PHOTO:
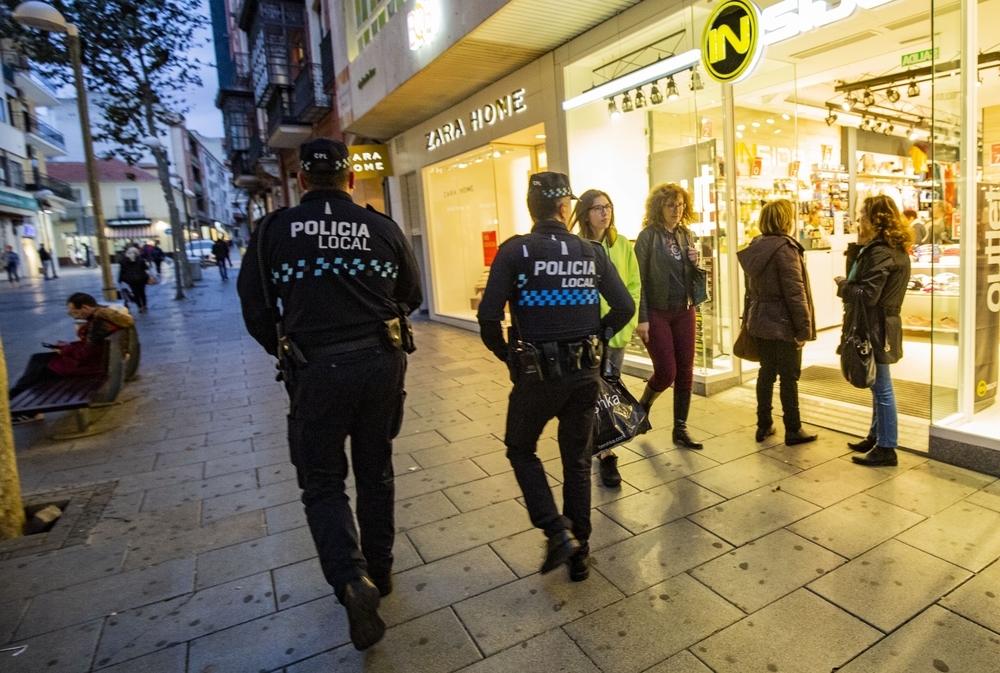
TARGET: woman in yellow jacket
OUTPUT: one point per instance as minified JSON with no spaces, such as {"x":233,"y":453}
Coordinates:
{"x":595,"y":216}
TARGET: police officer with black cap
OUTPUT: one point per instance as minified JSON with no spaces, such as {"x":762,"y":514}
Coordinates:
{"x":346,"y":278}
{"x":552,"y":280}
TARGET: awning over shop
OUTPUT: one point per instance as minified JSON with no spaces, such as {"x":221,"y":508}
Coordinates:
{"x":130,"y":232}
{"x":17,"y":204}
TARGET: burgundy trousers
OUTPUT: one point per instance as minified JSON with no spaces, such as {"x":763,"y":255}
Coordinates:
{"x":671,"y":348}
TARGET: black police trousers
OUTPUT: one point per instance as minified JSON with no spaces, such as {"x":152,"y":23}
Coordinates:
{"x":357,"y":395}
{"x":572,"y":399}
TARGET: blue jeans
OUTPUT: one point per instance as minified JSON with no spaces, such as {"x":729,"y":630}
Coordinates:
{"x":885,"y":424}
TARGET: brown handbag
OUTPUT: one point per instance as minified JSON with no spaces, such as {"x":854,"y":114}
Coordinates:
{"x":746,"y":347}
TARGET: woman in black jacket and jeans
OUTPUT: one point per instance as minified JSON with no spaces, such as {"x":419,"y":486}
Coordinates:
{"x":876,"y":284}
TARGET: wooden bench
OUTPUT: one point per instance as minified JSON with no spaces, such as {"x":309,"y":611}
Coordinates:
{"x":79,"y":393}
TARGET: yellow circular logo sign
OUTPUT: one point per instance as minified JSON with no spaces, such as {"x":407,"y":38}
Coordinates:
{"x":981,"y":389}
{"x":730,"y":45}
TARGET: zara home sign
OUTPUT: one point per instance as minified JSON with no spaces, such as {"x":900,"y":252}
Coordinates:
{"x":480,"y":118}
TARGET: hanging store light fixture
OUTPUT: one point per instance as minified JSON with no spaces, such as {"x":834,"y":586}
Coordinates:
{"x":655,"y":97}
{"x":849,"y":102}
{"x":613,"y":109}
{"x":865,"y":123}
{"x":868,"y":98}
{"x":892,"y":95}
{"x":627,"y":103}
{"x":672,"y":93}
{"x":913,"y":90}
{"x":831,"y":118}
{"x":696,"y":83}
{"x":640,"y":99}
{"x":889,"y":128}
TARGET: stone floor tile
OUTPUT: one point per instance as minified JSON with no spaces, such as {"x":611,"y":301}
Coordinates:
{"x":525,"y":551}
{"x":424,"y":509}
{"x":828,"y":445}
{"x":417,"y":442}
{"x":724,"y":423}
{"x":98,"y":473}
{"x":133,"y":633}
{"x":682,"y":662}
{"x":28,"y":576}
{"x":936,"y":640}
{"x":124,"y":505}
{"x":889,"y":584}
{"x":249,"y":558}
{"x":274,"y":440}
{"x":454,"y":451}
{"x":201,"y":489}
{"x":250,"y":499}
{"x":753,"y":515}
{"x":168,"y":544}
{"x":853,"y":526}
{"x":743,"y":475}
{"x":273,"y":474}
{"x":662,"y":468}
{"x":143,"y":525}
{"x":989,"y":497}
{"x":439,"y":584}
{"x":68,"y":650}
{"x":639,"y":562}
{"x":465,"y":531}
{"x":531,"y":606}
{"x":929,"y":488}
{"x":494,"y":463}
{"x":434,"y":643}
{"x":435,"y":478}
{"x":148,"y":480}
{"x":405,"y":554}
{"x":10,"y":616}
{"x":488,"y":491}
{"x":978,"y":599}
{"x":169,"y":660}
{"x":214,"y":468}
{"x":964,"y":534}
{"x":552,"y":652}
{"x":471,"y":429}
{"x":285,"y":517}
{"x":116,"y":593}
{"x":480,"y":412}
{"x":415,"y":424}
{"x":649,"y":509}
{"x":762,"y":571}
{"x":836,"y":480}
{"x":646,"y":628}
{"x":800,"y":633}
{"x":274,"y":641}
{"x":199,"y":454}
{"x":299,"y":583}
{"x":431,"y":405}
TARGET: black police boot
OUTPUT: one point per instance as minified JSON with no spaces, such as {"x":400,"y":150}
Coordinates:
{"x":764,"y":433}
{"x":864,"y":446}
{"x":682,"y":404}
{"x":880,"y":456}
{"x":382,"y":582}
{"x":361,"y":599}
{"x":608,"y":466}
{"x":579,"y":565}
{"x":560,"y":547}
{"x":799,"y":436}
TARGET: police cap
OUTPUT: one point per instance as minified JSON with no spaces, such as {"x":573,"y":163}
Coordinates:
{"x":547,"y":186}
{"x":324,"y":155}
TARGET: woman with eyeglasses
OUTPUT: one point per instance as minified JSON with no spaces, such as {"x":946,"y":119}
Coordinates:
{"x":667,"y":259}
{"x":595,"y":216}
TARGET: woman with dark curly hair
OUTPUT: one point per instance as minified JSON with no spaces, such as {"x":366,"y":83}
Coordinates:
{"x":595,"y":216}
{"x":667,"y":260}
{"x":876,"y":284}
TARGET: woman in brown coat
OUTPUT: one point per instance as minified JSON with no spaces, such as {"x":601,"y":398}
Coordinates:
{"x":779,"y":314}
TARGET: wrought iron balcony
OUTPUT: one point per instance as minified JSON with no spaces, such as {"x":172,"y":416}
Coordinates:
{"x":244,"y":80}
{"x":31,"y":124}
{"x":39,"y":182}
{"x":327,"y":64}
{"x":311,"y":102}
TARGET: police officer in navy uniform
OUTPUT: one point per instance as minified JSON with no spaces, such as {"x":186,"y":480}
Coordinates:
{"x":343,"y":274}
{"x":552,"y":280}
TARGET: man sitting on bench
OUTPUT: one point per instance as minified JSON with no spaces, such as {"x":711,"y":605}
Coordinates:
{"x":83,"y":357}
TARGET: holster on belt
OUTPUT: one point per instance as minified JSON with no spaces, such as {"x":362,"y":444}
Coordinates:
{"x":290,"y":358}
{"x":398,"y":333}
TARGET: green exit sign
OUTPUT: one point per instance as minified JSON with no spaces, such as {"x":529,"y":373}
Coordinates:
{"x":922,"y":56}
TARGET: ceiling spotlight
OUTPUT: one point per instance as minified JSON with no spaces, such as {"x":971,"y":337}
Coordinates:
{"x":739,"y":135}
{"x":613,"y":109}
{"x":769,"y":120}
{"x":696,"y":83}
{"x":865,"y":123}
{"x":672,"y":93}
{"x":913,"y":90}
{"x":889,"y":128}
{"x":831,"y":118}
{"x":849,"y":102}
{"x":877,"y":127}
{"x":655,"y":97}
{"x":892,"y":95}
{"x":640,"y":99}
{"x":912,"y":135}
{"x":979,"y":80}
{"x":785,"y":117}
{"x":868,"y":98}
{"x":627,"y":103}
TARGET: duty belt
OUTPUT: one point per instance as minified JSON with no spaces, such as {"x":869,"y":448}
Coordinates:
{"x":316,"y":352}
{"x":552,"y":359}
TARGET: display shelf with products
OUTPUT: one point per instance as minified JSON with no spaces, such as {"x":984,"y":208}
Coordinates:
{"x":931,"y":303}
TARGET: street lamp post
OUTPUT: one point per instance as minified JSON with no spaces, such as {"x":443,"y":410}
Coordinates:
{"x":39,"y":15}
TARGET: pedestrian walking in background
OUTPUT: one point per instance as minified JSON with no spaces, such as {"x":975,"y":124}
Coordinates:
{"x":876,"y":284}
{"x":594,"y":214}
{"x":343,"y":361}
{"x":552,"y":281}
{"x":667,"y":261}
{"x":47,"y":262}
{"x":11,"y":260}
{"x":134,"y":271}
{"x":220,"y":249}
{"x":779,"y":315}
{"x":157,"y":256}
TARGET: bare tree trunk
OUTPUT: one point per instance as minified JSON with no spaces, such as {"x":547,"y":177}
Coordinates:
{"x":11,"y":508}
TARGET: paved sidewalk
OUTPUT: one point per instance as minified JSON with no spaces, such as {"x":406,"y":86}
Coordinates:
{"x":737,"y":558}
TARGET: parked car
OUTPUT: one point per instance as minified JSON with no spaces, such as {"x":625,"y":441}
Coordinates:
{"x":200,"y":250}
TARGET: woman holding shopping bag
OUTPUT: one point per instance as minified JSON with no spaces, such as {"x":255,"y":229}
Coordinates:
{"x":595,"y":216}
{"x":668,"y":267}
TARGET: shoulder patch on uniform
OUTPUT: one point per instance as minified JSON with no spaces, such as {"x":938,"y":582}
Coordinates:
{"x":565,"y":250}
{"x":328,"y":211}
{"x":524,"y":248}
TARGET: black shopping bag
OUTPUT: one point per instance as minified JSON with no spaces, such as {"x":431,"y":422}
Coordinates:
{"x":619,"y":416}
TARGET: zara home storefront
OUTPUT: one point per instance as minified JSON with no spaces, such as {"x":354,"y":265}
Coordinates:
{"x":742,"y":103}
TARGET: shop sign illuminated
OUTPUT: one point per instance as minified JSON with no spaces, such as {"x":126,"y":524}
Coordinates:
{"x":918,"y":57}
{"x":738,"y":31}
{"x":488,"y":115}
{"x":423,"y":23}
{"x":370,"y":161}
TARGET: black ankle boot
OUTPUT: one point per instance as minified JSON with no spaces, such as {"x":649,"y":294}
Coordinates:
{"x":560,"y":548}
{"x":579,"y":565}
{"x":864,"y":446}
{"x":682,"y":405}
{"x":880,"y":456}
{"x":764,"y":433}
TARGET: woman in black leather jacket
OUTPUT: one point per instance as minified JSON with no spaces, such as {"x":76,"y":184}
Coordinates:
{"x":876,"y":284}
